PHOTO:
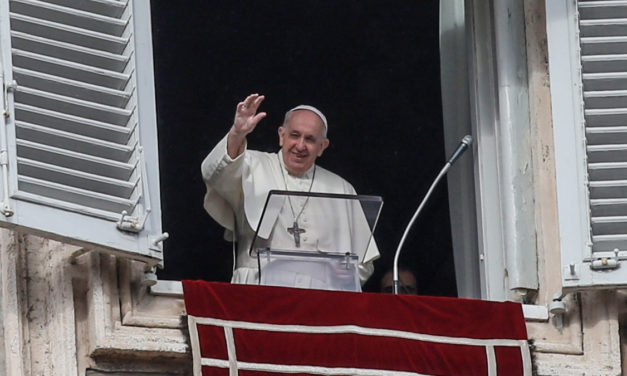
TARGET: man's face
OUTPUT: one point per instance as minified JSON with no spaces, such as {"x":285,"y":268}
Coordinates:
{"x":406,"y":279}
{"x":302,"y":139}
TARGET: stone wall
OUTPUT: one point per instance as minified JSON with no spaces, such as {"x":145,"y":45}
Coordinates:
{"x":66,"y":310}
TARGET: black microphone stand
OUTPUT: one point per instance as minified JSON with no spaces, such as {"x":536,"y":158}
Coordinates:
{"x":466,"y":141}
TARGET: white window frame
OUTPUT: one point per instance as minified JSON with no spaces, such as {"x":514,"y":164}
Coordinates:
{"x":500,"y":254}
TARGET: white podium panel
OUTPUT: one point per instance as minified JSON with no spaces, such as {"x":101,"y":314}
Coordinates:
{"x":314,"y":240}
{"x":309,"y":270}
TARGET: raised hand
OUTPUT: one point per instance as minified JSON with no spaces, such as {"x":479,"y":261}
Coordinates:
{"x":245,"y":121}
{"x":246,"y":116}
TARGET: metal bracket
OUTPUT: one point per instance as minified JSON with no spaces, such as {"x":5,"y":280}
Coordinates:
{"x":4,"y":156}
{"x":571,"y":271}
{"x":558,"y":309}
{"x":605,"y":263}
{"x":136,"y":224}
{"x":7,"y":211}
{"x":132,"y":224}
{"x":8,"y":86}
{"x":4,"y":163}
{"x":154,"y":244}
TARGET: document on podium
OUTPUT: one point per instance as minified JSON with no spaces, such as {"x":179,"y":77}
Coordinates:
{"x":315,"y":240}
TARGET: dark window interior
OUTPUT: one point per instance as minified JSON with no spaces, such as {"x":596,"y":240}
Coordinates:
{"x":371,"y":66}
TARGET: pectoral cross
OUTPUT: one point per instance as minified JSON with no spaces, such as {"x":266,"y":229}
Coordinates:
{"x":296,"y":231}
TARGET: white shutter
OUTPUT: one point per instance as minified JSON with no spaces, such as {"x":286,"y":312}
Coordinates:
{"x":80,"y":135}
{"x":592,"y":191}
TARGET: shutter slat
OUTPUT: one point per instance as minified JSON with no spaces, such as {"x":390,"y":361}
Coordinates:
{"x":606,"y":99}
{"x":615,"y":219}
{"x":603,"y":63}
{"x":74,"y":178}
{"x":75,"y":195}
{"x":69,"y":141}
{"x":69,"y":52}
{"x":73,"y":124}
{"x":605,"y":117}
{"x":68,"y":69}
{"x":603,"y":45}
{"x":589,"y":10}
{"x":608,"y":188}
{"x":607,"y":171}
{"x":605,"y":81}
{"x":603,"y":207}
{"x":69,"y":16}
{"x":65,"y":205}
{"x":69,"y":34}
{"x":71,"y":88}
{"x":603,"y":27}
{"x":607,"y":153}
{"x":76,"y":161}
{"x":110,"y":8}
{"x":613,"y":225}
{"x":73,"y":106}
{"x":607,"y":243}
{"x":606,"y":135}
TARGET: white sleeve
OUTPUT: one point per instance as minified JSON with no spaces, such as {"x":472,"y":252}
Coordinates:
{"x":223,"y":178}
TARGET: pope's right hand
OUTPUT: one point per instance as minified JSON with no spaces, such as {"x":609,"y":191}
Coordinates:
{"x":246,"y":116}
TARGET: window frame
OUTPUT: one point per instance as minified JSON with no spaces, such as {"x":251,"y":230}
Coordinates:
{"x":503,"y":249}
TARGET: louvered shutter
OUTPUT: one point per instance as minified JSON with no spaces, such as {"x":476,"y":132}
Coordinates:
{"x":80,"y":125}
{"x":592,"y":191}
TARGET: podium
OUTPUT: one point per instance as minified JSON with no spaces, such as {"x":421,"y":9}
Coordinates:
{"x":315,"y":240}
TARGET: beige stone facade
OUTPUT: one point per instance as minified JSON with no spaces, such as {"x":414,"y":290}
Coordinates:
{"x":69,"y":312}
{"x":588,"y":342}
{"x":66,"y":311}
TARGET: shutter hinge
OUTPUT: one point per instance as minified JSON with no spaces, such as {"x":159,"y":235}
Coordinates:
{"x":4,"y":155}
{"x":135,"y":224}
{"x":6,"y":209}
{"x":4,"y":162}
{"x":132,"y":224}
{"x":8,"y":86}
{"x":604,"y":263}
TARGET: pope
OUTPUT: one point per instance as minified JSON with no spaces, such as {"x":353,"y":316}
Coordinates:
{"x":238,"y":181}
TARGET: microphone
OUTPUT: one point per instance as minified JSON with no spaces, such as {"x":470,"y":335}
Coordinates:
{"x":463,"y":145}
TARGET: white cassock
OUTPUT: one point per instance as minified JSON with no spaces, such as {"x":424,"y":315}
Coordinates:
{"x":237,"y":190}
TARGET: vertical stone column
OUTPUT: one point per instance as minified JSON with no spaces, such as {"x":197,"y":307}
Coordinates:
{"x":2,"y":333}
{"x":50,"y":307}
{"x":12,"y":361}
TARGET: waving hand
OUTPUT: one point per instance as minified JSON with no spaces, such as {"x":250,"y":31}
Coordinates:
{"x":245,"y":121}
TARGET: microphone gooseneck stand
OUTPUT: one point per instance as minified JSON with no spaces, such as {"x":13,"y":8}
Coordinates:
{"x":466,"y":141}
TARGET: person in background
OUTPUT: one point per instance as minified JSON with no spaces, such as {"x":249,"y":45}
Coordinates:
{"x":407,"y":282}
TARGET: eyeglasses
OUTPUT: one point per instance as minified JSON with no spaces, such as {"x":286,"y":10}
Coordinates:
{"x":403,"y":289}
